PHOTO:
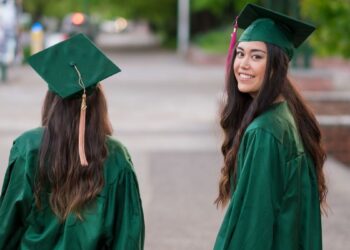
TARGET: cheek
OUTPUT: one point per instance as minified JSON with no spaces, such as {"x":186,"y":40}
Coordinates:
{"x":235,"y":66}
{"x":263,"y":69}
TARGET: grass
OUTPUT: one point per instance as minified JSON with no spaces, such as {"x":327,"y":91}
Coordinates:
{"x":214,"y":42}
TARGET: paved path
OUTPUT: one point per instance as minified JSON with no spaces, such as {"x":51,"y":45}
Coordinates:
{"x":164,"y":110}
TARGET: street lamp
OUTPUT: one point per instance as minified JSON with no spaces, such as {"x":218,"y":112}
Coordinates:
{"x":183,"y":27}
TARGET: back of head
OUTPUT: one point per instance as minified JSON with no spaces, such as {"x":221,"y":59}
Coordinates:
{"x":71,"y":185}
{"x":76,"y":123}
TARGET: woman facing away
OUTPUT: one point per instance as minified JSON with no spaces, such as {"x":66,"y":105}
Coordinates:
{"x":272,"y":176}
{"x":69,"y":185}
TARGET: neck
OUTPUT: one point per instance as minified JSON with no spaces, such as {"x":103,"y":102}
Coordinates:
{"x":280,"y":98}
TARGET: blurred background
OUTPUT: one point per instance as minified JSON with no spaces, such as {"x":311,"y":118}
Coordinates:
{"x":164,"y":104}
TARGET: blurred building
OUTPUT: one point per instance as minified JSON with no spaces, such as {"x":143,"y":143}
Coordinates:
{"x":8,"y":35}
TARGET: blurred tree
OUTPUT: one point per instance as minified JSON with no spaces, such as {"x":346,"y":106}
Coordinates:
{"x":216,"y":7}
{"x":160,"y":14}
{"x":39,"y":8}
{"x":332,"y":19}
{"x":36,"y":8}
{"x":208,"y":14}
{"x":288,"y":7}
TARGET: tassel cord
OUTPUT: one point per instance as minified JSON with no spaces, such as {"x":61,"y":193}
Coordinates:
{"x":82,"y":123}
{"x":231,"y":48}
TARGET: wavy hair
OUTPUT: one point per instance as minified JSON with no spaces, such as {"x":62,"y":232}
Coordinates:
{"x":61,"y":178}
{"x":240,"y":109}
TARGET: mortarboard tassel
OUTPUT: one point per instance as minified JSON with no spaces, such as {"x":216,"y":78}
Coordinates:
{"x":232,"y":45}
{"x":82,"y":122}
{"x":82,"y":155}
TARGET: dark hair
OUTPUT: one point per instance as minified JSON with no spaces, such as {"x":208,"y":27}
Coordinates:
{"x":70,"y":185}
{"x":240,"y":109}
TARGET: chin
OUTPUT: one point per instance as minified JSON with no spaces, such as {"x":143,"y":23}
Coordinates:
{"x":245,"y":90}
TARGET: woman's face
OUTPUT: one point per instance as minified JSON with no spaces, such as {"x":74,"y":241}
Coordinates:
{"x":249,"y":66}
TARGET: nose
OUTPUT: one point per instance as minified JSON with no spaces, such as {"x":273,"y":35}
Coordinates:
{"x":245,"y":63}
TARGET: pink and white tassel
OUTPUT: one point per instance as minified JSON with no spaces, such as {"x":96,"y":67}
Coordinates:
{"x":231,"y":48}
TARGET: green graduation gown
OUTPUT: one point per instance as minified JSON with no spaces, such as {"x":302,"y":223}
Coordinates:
{"x":115,"y":221}
{"x":275,"y":205}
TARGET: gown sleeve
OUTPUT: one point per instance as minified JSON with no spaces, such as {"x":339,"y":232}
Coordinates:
{"x":15,"y":201}
{"x":250,"y":216}
{"x":129,"y":230}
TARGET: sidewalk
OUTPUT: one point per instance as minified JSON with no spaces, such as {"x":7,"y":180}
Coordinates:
{"x":336,"y":226}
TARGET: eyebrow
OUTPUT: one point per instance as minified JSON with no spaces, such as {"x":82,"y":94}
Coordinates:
{"x":253,"y":50}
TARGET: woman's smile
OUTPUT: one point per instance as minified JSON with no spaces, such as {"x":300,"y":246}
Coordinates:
{"x":245,"y":76}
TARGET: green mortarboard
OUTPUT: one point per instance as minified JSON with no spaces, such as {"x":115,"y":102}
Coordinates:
{"x":265,"y":25}
{"x":61,"y":64}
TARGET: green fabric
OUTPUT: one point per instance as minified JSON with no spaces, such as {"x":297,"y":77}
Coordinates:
{"x":266,"y":30}
{"x":275,"y":205}
{"x":114,"y":221}
{"x":269,"y":26}
{"x":56,"y":65}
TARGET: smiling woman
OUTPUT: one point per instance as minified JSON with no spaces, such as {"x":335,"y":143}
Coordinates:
{"x":272,"y":176}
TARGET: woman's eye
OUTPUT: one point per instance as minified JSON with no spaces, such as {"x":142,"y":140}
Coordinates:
{"x":240,"y":54}
{"x":256,"y":57}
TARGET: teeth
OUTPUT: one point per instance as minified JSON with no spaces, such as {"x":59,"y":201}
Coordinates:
{"x":244,"y":76}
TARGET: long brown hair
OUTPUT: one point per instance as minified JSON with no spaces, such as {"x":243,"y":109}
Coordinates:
{"x":61,"y":179}
{"x":240,"y":109}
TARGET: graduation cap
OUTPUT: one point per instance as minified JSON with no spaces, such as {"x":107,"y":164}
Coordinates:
{"x":69,"y":69}
{"x":265,"y":25}
{"x":73,"y":65}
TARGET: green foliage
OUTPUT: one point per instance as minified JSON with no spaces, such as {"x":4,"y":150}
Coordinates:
{"x":215,"y":41}
{"x":332,"y":19}
{"x":38,"y":8}
{"x":239,"y":4}
{"x":216,"y":7}
{"x":162,"y":15}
